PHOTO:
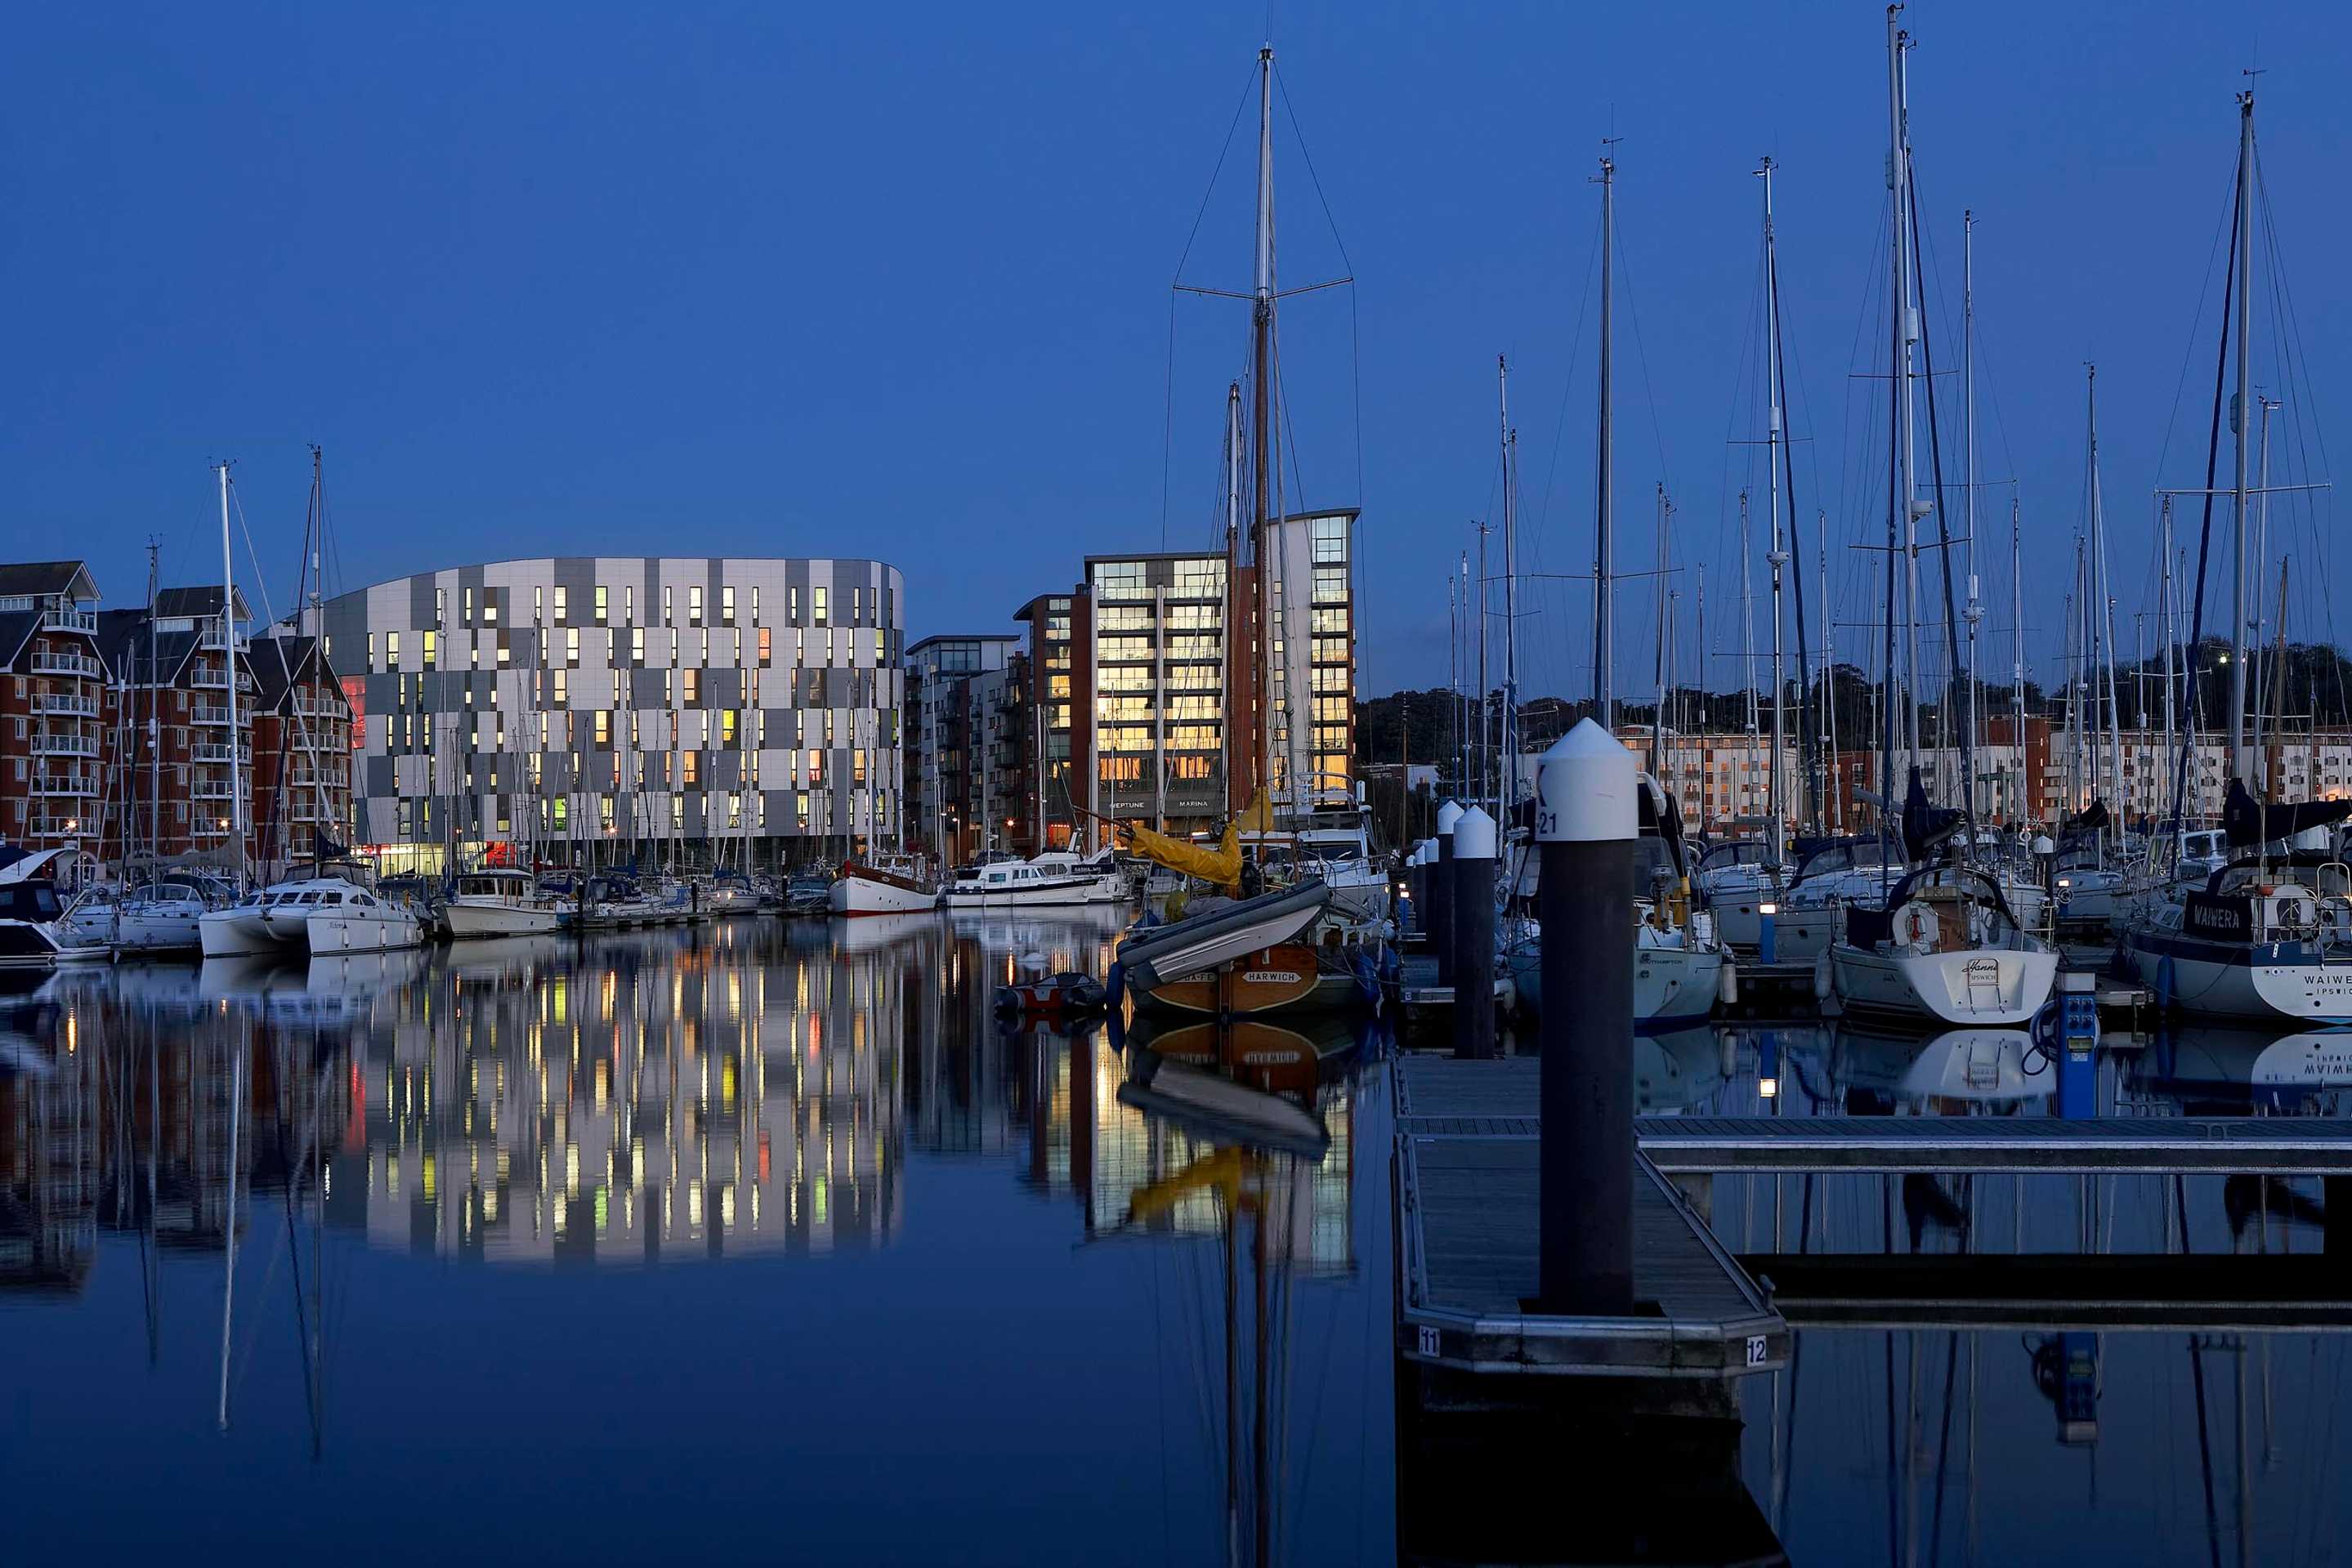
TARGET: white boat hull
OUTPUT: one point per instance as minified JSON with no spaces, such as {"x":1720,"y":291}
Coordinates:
{"x":1797,"y":932}
{"x":2306,"y":992}
{"x":177,"y":929}
{"x":494,"y":918}
{"x":345,"y":929}
{"x":1671,"y":984}
{"x":1988,"y":986}
{"x":1045,"y":895}
{"x":238,"y":932}
{"x":862,"y":895}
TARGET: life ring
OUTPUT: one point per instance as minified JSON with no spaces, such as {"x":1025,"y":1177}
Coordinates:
{"x":1915,"y":925}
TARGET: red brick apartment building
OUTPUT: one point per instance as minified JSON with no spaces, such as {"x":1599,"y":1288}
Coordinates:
{"x":163,"y":730}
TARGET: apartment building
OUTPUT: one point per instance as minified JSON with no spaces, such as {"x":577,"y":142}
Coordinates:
{"x":686,"y":707}
{"x":52,"y":698}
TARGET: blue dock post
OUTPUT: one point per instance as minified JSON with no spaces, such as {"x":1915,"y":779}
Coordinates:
{"x":1473,"y":934}
{"x":1441,"y":893}
{"x":1585,"y":828}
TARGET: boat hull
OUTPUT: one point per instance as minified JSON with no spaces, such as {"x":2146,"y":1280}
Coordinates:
{"x":467,"y":919}
{"x":1041,"y":895}
{"x":239,"y":932}
{"x":1671,"y":984}
{"x":139,"y":932}
{"x":347,"y":930}
{"x":1997,"y":988}
{"x":855,"y":894}
{"x":2219,"y":980}
{"x":1797,"y":932}
{"x":1271,"y":982}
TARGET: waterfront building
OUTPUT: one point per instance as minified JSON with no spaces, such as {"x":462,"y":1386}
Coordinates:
{"x":968,"y":708}
{"x":680,"y":709}
{"x":1134,"y":696}
{"x":173,"y":731}
{"x":52,"y":740}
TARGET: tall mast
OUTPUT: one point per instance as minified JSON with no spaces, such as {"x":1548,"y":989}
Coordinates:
{"x":1904,"y":318}
{"x":2261,"y":557}
{"x":1777,"y":557}
{"x":1658,"y":719}
{"x":1974,"y":610}
{"x":2107,"y":605}
{"x":1264,"y":464}
{"x":1486,"y":690}
{"x":155,"y":719}
{"x":228,"y":668}
{"x":2165,"y":628}
{"x":1510,"y":586}
{"x":1604,"y":697}
{"x":2239,"y":760}
{"x":2020,"y":805}
{"x":1236,"y":501}
{"x":1748,"y":634}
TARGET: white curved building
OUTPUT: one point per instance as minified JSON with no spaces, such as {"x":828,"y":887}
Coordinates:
{"x":674,"y":706}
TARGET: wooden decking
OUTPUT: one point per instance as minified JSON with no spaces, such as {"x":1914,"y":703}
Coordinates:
{"x":1467,"y":1255}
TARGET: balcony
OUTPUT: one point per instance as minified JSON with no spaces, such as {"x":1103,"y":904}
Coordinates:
{"x":219,"y":751}
{"x":318,"y":707}
{"x":66,"y":743}
{"x":209,"y":713}
{"x":83,"y":664}
{"x":70,"y":786}
{"x":318,"y":778}
{"x":215,"y":681}
{"x":209,"y":789}
{"x":64,"y":706}
{"x":82,"y":621}
{"x":54,"y":827}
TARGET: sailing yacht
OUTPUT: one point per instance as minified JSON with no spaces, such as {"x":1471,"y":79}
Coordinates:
{"x":1946,"y":944}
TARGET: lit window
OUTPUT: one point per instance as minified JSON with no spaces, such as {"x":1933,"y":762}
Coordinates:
{"x":603,"y":602}
{"x":694,"y":605}
{"x":817,"y":604}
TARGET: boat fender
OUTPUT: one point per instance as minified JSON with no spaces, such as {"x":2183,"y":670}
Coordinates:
{"x":1823,"y":985}
{"x":1114,"y":987}
{"x":2164,"y":982}
{"x":1726,"y":984}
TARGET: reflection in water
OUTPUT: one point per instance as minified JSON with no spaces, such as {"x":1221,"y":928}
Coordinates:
{"x":330,"y":1205}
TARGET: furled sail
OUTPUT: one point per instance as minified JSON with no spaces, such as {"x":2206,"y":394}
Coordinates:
{"x":2247,"y":821}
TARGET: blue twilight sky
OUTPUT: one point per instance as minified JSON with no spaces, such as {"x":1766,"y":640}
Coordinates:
{"x":774,"y":279}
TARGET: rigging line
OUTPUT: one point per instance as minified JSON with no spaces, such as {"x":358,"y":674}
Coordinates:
{"x":1282,"y":85}
{"x":269,"y":617}
{"x":1955,"y":675}
{"x":2188,"y":350}
{"x":2205,"y":531}
{"x":1167,"y":436}
{"x":1567,"y":383}
{"x":1633,"y":317}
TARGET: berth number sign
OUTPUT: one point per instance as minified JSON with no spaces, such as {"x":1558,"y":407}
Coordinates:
{"x":1427,"y":1338}
{"x":1756,"y":1349}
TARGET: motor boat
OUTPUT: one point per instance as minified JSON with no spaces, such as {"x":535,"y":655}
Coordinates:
{"x":729,"y":893}
{"x":277,"y":919}
{"x":883,"y":885}
{"x":1055,"y":878}
{"x":807,"y":893}
{"x":356,"y":920}
{"x":30,"y":909}
{"x":1944,"y":948}
{"x":496,"y":902}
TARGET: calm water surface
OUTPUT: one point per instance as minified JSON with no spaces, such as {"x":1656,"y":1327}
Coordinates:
{"x":772,"y":1236}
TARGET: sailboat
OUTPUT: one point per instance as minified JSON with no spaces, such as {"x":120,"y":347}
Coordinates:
{"x":1945,"y":944}
{"x":2268,"y":934}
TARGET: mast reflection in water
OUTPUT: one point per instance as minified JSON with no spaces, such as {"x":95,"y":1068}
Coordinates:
{"x":582,"y":1240}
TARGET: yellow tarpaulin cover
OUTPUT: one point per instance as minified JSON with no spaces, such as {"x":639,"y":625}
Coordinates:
{"x":1220,"y":867}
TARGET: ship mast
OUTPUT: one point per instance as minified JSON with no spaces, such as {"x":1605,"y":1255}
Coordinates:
{"x":1264,"y":460}
{"x":2239,"y":762}
{"x":1778,"y":556}
{"x":229,"y":677}
{"x":1605,"y":699}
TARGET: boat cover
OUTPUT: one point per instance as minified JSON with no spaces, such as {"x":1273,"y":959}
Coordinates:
{"x":1282,"y":915}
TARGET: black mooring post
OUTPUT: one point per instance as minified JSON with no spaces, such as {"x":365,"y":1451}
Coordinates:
{"x":1441,"y":893}
{"x":1585,"y":827}
{"x":1473,"y":934}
